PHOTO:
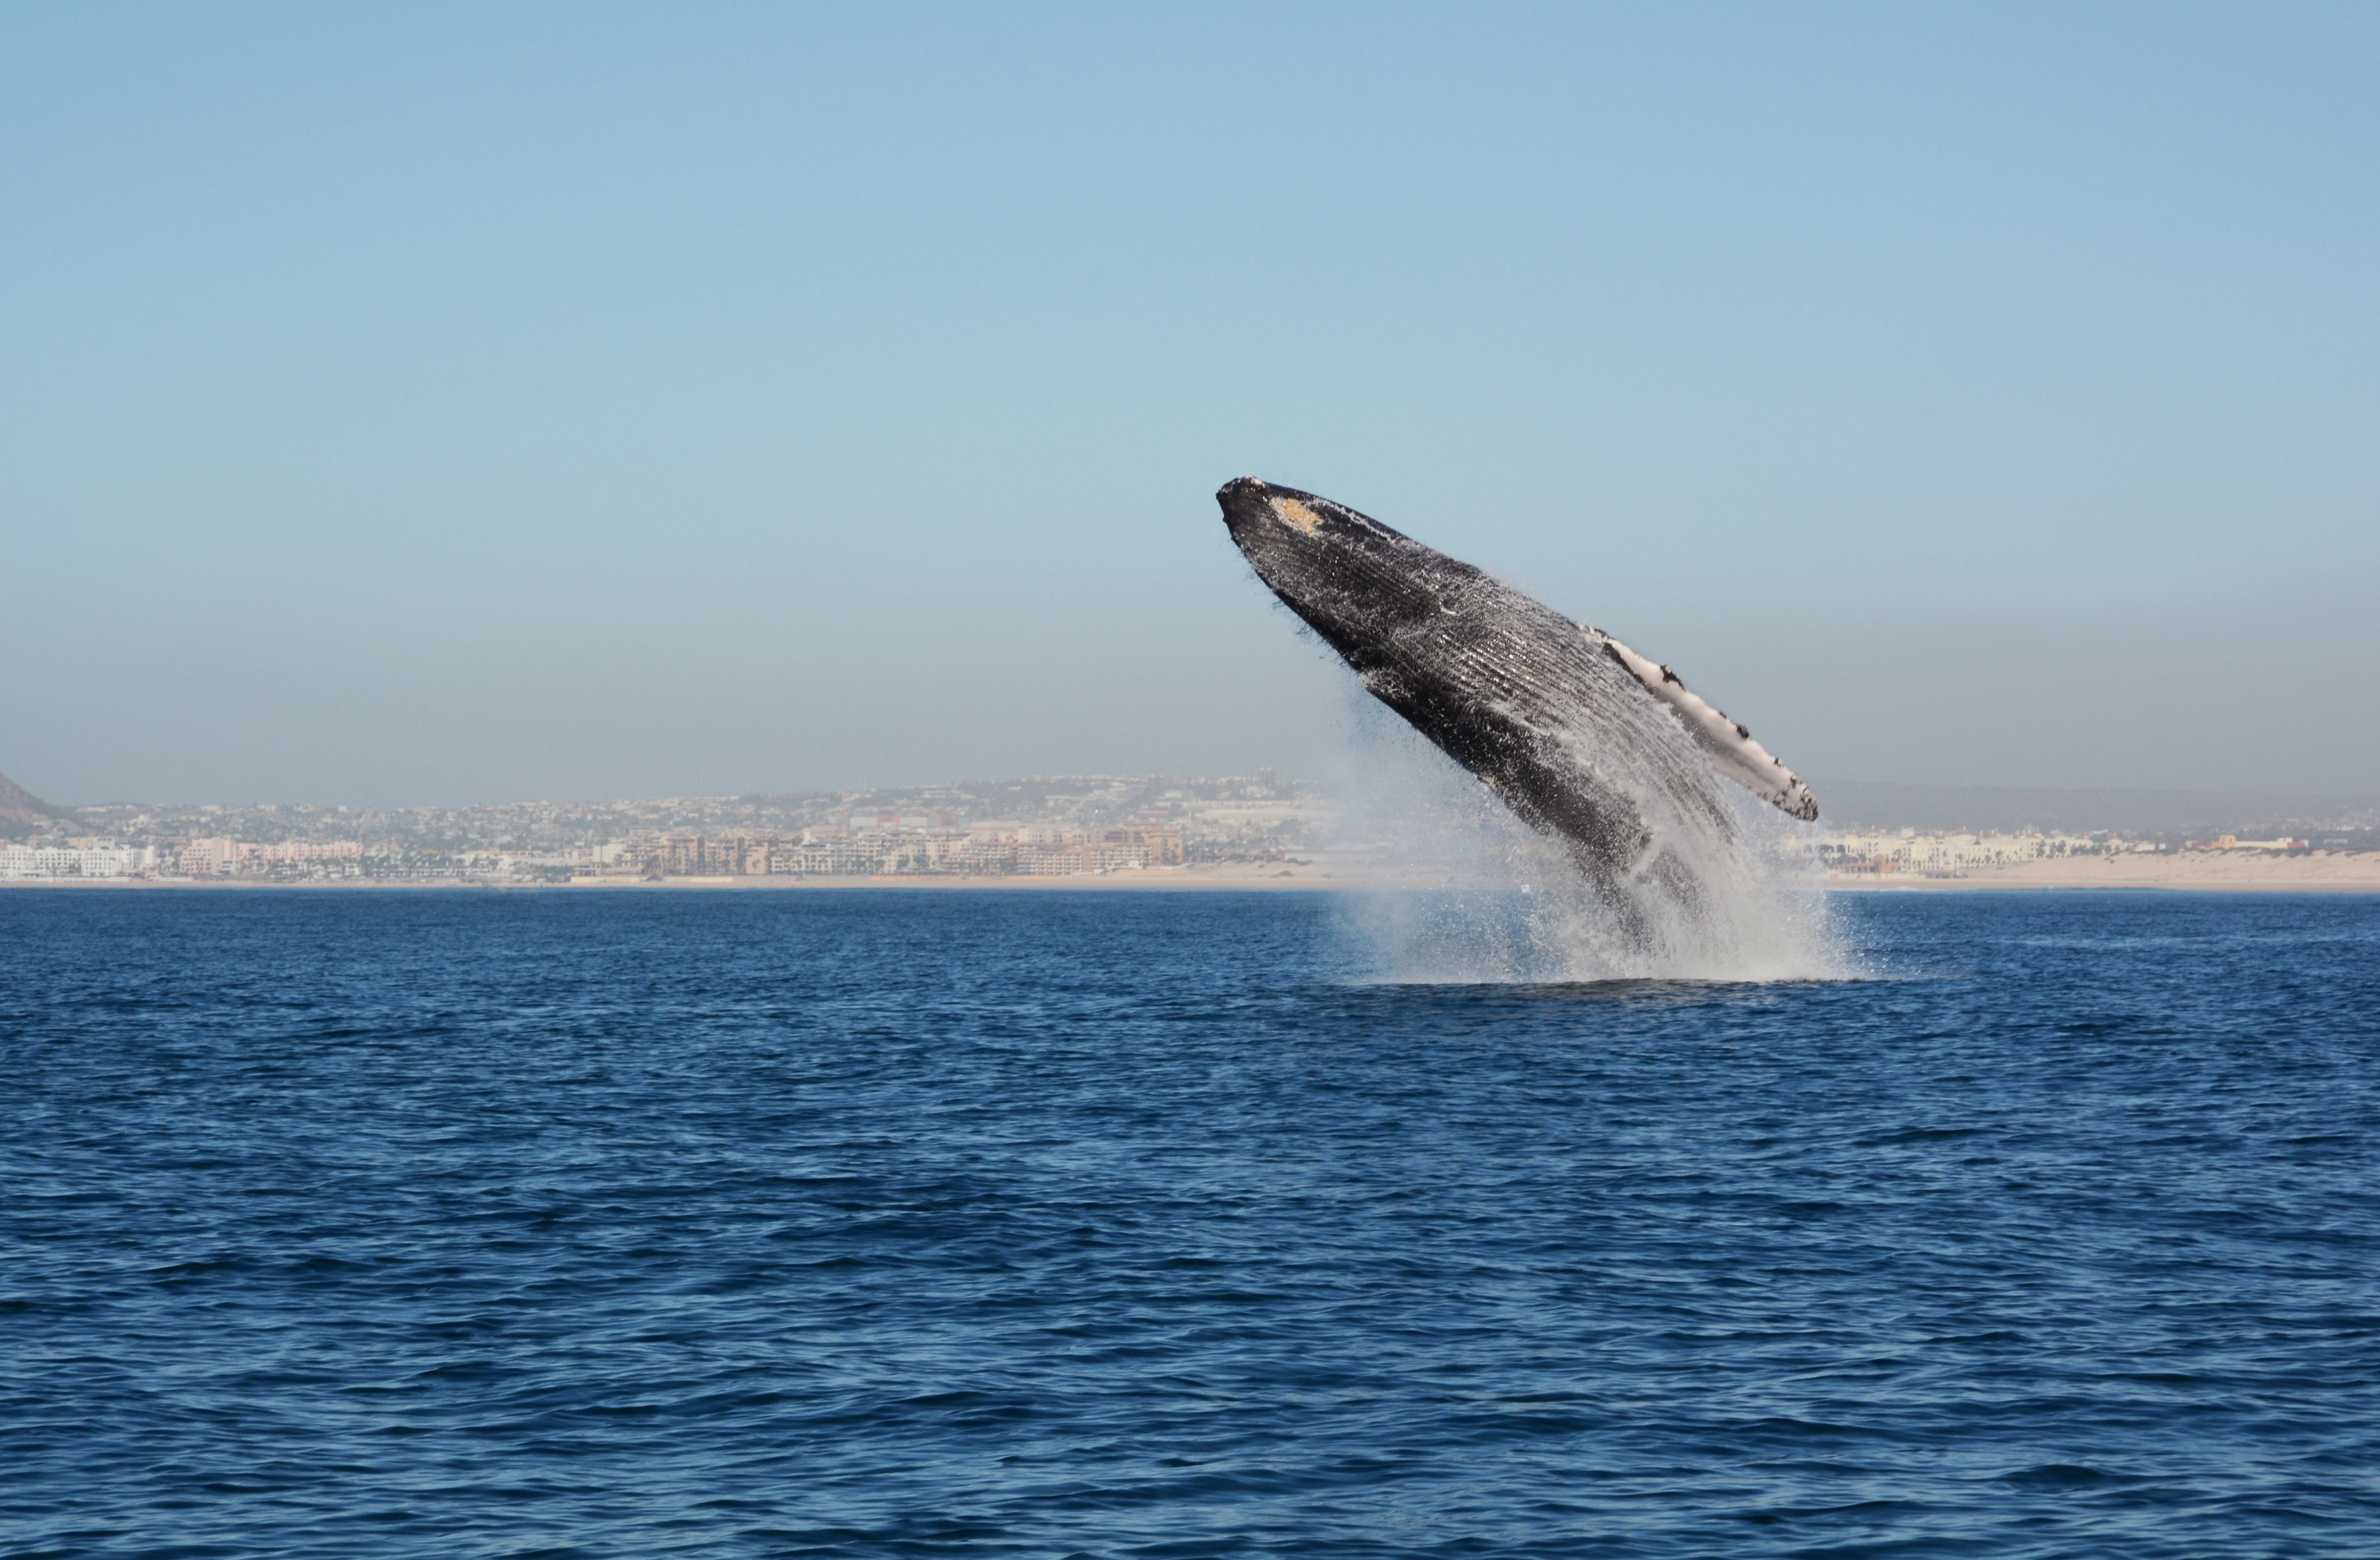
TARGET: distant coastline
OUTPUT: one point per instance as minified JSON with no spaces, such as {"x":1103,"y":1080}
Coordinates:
{"x":2355,"y":873}
{"x":1154,"y":833}
{"x":2320,"y":872}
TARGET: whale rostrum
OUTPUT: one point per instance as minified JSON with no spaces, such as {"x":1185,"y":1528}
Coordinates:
{"x":1585,"y":739}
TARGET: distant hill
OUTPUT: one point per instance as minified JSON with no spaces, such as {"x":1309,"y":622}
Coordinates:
{"x":21,"y":810}
{"x":2249,"y":814}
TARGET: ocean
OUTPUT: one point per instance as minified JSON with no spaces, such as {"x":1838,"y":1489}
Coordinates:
{"x":918,"y":1222}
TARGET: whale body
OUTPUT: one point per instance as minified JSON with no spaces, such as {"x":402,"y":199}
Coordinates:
{"x":1587,"y":742}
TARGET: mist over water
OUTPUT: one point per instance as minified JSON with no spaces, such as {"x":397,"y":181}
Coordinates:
{"x":1464,"y":891}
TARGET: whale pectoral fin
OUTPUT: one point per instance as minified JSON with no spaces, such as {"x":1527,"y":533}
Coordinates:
{"x":1725,"y":743}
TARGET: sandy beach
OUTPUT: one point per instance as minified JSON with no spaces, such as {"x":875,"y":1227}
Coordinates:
{"x":1300,"y":873}
{"x":1315,"y":872}
{"x":2211,"y":871}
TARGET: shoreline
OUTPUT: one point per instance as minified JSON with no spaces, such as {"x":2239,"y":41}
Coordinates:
{"x":2222,"y":871}
{"x":1268,"y":875}
{"x":2346,"y":874}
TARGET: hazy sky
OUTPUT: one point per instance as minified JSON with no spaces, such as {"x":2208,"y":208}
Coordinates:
{"x":426,"y":405}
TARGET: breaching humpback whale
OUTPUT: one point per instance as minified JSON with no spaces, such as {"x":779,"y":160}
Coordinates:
{"x":1585,"y":739}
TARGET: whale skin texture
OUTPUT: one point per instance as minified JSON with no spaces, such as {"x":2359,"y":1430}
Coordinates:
{"x":1584,"y":739}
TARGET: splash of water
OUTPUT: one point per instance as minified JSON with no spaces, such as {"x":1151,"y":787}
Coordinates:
{"x":1459,"y":889}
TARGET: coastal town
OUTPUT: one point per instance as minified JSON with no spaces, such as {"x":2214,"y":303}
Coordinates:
{"x":1031,"y":829}
{"x":1145,"y":829}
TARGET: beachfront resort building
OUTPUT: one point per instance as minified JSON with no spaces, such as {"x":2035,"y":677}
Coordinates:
{"x":984,"y":850}
{"x":1953,"y":855}
{"x":75,"y":860}
{"x":216,"y":858}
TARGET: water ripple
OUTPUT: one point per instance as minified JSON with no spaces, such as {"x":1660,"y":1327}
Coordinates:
{"x":911,"y":1223}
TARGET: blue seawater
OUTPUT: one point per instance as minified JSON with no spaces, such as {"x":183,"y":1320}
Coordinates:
{"x":669,"y":1223}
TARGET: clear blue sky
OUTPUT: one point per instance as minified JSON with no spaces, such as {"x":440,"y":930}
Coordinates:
{"x":417,"y":405}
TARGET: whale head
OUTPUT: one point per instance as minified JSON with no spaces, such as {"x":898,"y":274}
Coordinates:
{"x":1352,"y":579}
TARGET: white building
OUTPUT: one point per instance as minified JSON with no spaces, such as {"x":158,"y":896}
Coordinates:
{"x":1950,"y":855}
{"x":90,"y":860}
{"x":211,"y":858}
